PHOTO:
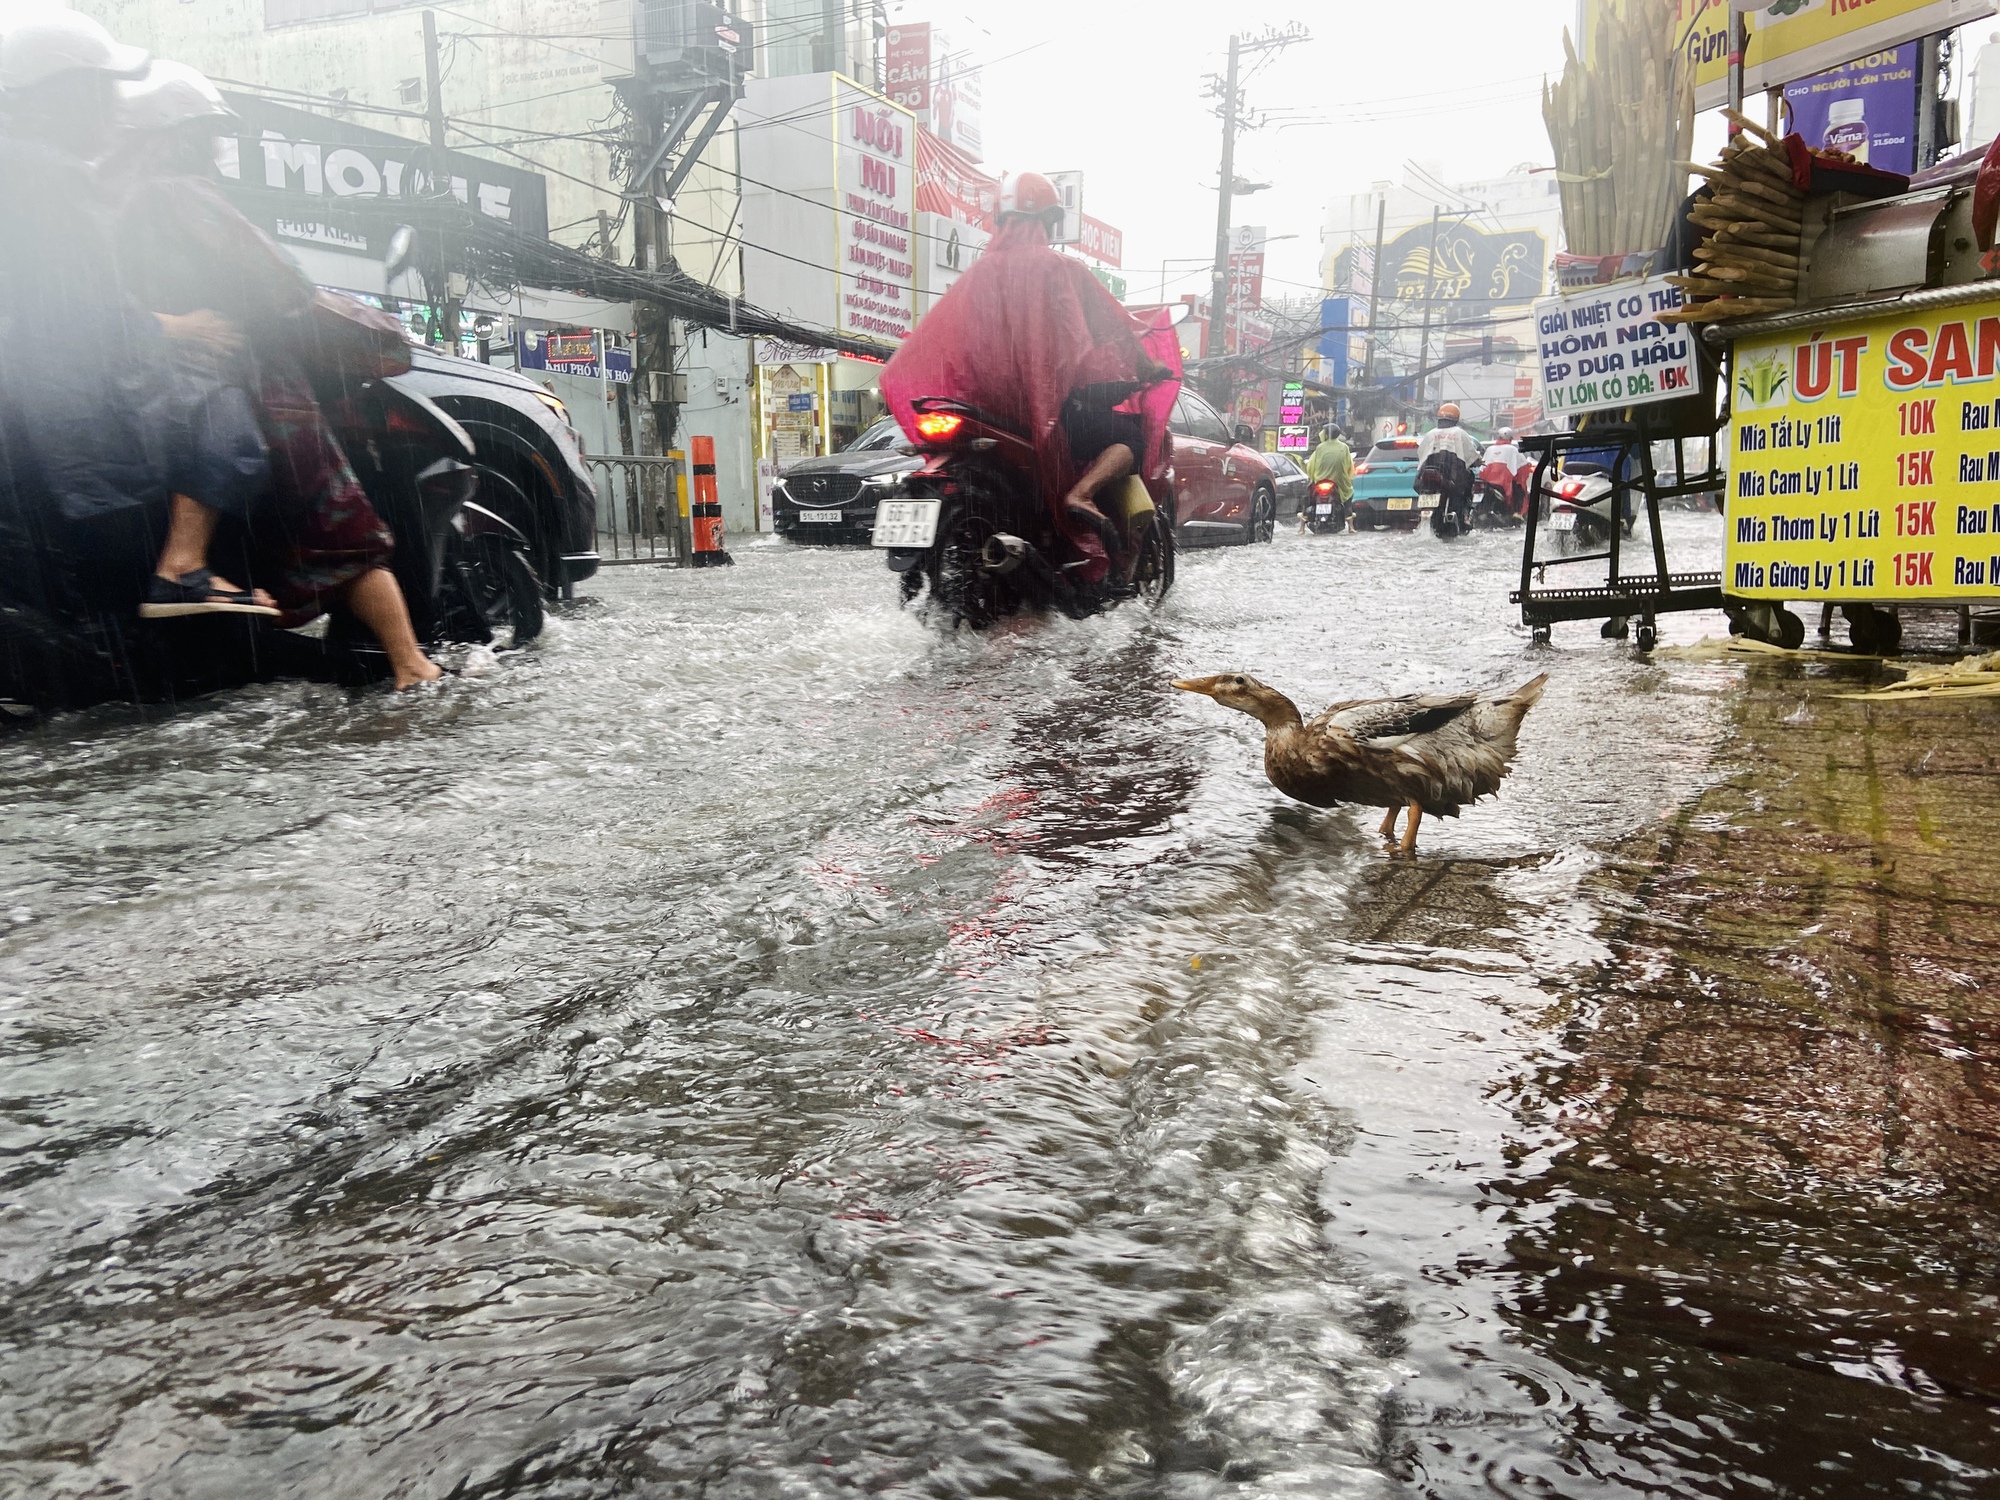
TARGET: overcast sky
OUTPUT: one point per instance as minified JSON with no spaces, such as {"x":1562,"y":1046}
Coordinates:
{"x":1113,"y":88}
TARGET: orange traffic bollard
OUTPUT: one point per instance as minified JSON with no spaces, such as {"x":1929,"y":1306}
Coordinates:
{"x":706,"y":514}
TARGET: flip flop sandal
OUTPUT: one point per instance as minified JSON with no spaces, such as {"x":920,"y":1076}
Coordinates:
{"x":196,"y":594}
{"x":1107,"y":529}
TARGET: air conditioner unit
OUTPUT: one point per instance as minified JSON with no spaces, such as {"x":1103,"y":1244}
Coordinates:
{"x":666,"y":389}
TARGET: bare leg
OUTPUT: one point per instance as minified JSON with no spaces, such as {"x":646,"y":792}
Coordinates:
{"x":377,"y":602}
{"x":1389,"y":823}
{"x":1114,"y":462}
{"x":190,"y":528}
{"x":1410,"y":833}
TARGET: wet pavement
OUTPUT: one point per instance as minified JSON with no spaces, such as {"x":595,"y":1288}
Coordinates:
{"x":751,"y":1045}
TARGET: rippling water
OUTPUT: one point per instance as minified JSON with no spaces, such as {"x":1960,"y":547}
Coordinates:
{"x":751,"y":1045}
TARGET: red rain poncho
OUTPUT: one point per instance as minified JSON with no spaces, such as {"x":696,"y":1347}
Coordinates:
{"x":1015,"y":335}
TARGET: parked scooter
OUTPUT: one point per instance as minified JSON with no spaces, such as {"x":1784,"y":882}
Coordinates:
{"x":979,"y":534}
{"x":1582,"y":508}
{"x":1324,"y":511}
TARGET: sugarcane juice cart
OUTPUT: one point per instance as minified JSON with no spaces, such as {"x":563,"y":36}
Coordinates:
{"x":1864,"y":420}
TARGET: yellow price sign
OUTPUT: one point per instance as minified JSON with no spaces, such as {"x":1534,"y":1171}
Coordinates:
{"x":1798,"y":38}
{"x":1866,"y":461}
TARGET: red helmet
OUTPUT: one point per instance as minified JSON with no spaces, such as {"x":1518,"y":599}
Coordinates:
{"x":1030,"y":195}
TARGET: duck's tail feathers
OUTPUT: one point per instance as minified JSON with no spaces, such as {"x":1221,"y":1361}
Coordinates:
{"x":1528,"y":694}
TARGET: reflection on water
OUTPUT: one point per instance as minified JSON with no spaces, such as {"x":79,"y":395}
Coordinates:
{"x":752,"y":1045}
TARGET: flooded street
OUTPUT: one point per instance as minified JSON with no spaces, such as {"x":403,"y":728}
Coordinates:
{"x":753,"y":1045}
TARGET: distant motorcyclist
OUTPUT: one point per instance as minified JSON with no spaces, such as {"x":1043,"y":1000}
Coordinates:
{"x":1332,"y":461}
{"x":1448,"y":437}
{"x":1446,"y":457}
{"x":1032,"y":338}
{"x":111,"y":448}
{"x":1507,"y":468}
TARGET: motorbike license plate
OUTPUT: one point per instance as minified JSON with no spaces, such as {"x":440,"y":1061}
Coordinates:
{"x":1322,"y":510}
{"x":907,"y":523}
{"x":1427,"y":502}
{"x":1563,"y":520}
{"x":1407,"y":502}
{"x":820,"y":517}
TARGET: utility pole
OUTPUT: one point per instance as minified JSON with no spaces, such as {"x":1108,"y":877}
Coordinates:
{"x":1229,"y":90}
{"x":1218,"y":290}
{"x":440,"y":171}
{"x":1375,"y":289}
{"x":1430,"y":291}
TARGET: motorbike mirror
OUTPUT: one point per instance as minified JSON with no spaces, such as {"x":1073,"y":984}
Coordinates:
{"x":1178,"y":314}
{"x":402,"y":250}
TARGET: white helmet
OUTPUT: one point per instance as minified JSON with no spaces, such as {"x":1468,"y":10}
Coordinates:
{"x":1506,"y":434}
{"x":47,"y":43}
{"x":170,"y":94}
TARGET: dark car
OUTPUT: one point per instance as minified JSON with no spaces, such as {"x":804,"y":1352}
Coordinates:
{"x":1293,"y":485}
{"x":530,"y":460}
{"x":1224,"y":492}
{"x":831,"y":500}
{"x":1385,"y":488}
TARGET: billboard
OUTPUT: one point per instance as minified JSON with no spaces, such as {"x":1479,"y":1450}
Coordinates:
{"x":876,"y":187}
{"x":1809,"y":37}
{"x":1473,"y":271}
{"x":1866,"y":108}
{"x":940,"y":86}
{"x":1866,"y":461}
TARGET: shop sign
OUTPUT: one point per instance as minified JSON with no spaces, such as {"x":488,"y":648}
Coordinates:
{"x":800,"y":401}
{"x":906,"y":66}
{"x":1607,"y":348}
{"x":876,"y":186}
{"x":1809,"y":37}
{"x":1246,"y":282}
{"x":785,"y":352}
{"x":326,"y":182}
{"x":1866,"y":461}
{"x":1101,"y":242}
{"x":571,"y":353}
{"x":1867,"y":109}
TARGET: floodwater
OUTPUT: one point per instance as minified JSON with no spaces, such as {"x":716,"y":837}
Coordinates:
{"x":751,"y":1045}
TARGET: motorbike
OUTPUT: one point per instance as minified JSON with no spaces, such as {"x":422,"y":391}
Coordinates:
{"x":1583,"y":507}
{"x":464,"y":572}
{"x":977,"y":533}
{"x":1446,"y":476}
{"x":1496,"y":500}
{"x":1324,"y":510}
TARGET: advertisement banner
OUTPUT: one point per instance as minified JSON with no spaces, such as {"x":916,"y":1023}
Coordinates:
{"x":1604,"y":350}
{"x":1474,"y":272}
{"x":1866,"y":462}
{"x":877,"y":185}
{"x":1809,"y":37}
{"x":1867,"y":109}
{"x":906,"y":64}
{"x":1246,"y":282}
{"x":950,"y":183}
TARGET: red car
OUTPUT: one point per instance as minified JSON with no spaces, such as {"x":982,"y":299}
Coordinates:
{"x":1224,"y":492}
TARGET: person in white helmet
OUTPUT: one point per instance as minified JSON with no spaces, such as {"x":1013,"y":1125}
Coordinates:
{"x":121,"y":448}
{"x":316,"y":540}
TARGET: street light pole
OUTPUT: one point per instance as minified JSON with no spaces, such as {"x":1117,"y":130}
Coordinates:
{"x":440,"y":168}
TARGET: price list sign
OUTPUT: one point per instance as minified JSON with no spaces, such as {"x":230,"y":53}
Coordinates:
{"x":1865,"y":463}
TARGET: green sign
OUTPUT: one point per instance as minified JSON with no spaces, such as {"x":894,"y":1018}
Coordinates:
{"x":1114,"y":284}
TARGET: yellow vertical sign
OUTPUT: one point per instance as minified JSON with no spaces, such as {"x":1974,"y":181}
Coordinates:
{"x":1792,"y":41}
{"x":1865,"y":461}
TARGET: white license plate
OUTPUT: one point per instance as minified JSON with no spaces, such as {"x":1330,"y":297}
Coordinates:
{"x":1427,"y":502}
{"x":819,"y":517}
{"x":1405,"y":503}
{"x":907,"y":523}
{"x":1563,"y":520}
{"x":1322,"y":510}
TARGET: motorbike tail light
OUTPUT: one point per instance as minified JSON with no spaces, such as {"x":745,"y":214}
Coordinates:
{"x":1324,"y":487}
{"x":1571,"y":488}
{"x":939,"y":426}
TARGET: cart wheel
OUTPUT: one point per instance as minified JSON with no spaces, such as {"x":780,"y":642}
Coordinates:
{"x":1541,"y":635}
{"x":1791,"y":630}
{"x":1649,"y":635}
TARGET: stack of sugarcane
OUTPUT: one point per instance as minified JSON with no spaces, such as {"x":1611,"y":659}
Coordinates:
{"x":1754,"y":214}
{"x":1620,"y":121}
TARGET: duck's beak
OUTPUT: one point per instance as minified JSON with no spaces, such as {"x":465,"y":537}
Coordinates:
{"x":1206,"y":686}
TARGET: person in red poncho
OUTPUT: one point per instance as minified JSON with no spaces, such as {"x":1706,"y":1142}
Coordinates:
{"x":1030,"y":337}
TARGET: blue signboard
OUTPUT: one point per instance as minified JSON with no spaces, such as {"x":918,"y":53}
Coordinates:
{"x":799,"y":402}
{"x":570,"y":353}
{"x":1867,"y":109}
{"x":1336,"y":321}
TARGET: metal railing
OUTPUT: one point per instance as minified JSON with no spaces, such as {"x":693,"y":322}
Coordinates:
{"x":640,"y":510}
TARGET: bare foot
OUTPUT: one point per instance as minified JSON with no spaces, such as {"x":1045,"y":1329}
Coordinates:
{"x":417,"y":673}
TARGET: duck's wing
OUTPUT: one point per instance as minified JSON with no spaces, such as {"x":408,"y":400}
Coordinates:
{"x":1386,"y":723}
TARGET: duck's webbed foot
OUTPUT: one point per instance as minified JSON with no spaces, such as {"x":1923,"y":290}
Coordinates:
{"x":1389,"y":822}
{"x":1410,"y":832}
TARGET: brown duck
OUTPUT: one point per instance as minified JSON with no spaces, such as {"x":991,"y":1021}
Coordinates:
{"x":1431,"y":755}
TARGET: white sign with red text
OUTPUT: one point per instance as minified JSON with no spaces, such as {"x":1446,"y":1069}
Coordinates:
{"x":877,"y":187}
